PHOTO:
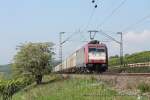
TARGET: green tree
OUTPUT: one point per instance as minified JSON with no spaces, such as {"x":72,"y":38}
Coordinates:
{"x":34,"y":59}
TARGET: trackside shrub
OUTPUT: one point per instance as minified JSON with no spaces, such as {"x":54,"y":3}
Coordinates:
{"x":9,"y":87}
{"x":143,"y":87}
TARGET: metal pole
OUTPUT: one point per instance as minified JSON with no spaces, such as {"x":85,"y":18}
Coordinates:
{"x":119,"y":42}
{"x":121,"y":48}
{"x":60,"y":46}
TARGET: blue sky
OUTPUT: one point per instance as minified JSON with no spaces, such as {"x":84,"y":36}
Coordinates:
{"x":41,"y":21}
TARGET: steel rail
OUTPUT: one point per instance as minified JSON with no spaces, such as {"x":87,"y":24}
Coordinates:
{"x":110,"y":74}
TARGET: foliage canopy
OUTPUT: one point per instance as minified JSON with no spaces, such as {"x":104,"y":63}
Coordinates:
{"x":34,"y":59}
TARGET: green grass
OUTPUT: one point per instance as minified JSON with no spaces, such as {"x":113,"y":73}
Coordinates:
{"x":138,"y":57}
{"x":71,"y":89}
{"x":143,"y":87}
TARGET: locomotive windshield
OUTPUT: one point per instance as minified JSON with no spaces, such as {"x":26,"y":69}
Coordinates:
{"x":94,"y":50}
{"x":97,"y":54}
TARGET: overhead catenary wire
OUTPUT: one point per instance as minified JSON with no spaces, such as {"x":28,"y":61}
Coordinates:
{"x":90,"y":19}
{"x":90,"y":16}
{"x":108,"y":36}
{"x":95,"y":2}
{"x":69,"y":37}
{"x":78,"y":32}
{"x":86,"y":26}
{"x":138,"y":22}
{"x":111,"y":14}
{"x":129,"y":27}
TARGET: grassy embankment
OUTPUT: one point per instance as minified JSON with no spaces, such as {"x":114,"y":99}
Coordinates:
{"x":133,"y":58}
{"x":139,"y":57}
{"x":71,"y":89}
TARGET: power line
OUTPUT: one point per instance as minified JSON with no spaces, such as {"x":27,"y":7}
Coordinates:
{"x":89,"y":20}
{"x":92,"y":14}
{"x":111,"y":14}
{"x":73,"y":33}
{"x":86,"y":26}
{"x":138,"y":22}
{"x":70,"y":36}
{"x":108,"y":36}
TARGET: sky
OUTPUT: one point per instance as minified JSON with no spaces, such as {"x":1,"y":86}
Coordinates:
{"x":42,"y":20}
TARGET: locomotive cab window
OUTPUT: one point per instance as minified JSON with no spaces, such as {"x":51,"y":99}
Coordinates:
{"x":96,"y":50}
{"x":100,"y":50}
{"x":92,"y":49}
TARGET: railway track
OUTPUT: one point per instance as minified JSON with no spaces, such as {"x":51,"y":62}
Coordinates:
{"x":127,"y":74}
{"x":112,"y":74}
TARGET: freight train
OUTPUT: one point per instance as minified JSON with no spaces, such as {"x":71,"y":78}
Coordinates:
{"x":92,"y":57}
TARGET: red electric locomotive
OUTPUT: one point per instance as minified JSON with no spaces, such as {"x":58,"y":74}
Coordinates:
{"x":93,"y":57}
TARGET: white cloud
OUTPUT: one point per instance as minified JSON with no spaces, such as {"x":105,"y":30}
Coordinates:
{"x":136,"y":41}
{"x":132,"y":42}
{"x":137,"y":38}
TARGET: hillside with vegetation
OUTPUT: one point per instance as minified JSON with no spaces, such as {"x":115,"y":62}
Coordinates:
{"x":138,"y":57}
{"x":5,"y":70}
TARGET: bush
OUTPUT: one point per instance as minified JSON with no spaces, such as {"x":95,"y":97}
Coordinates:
{"x":143,"y":87}
{"x":9,"y":87}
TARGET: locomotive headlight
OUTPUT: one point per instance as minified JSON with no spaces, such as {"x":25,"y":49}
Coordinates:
{"x":103,"y":65}
{"x":90,"y":65}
